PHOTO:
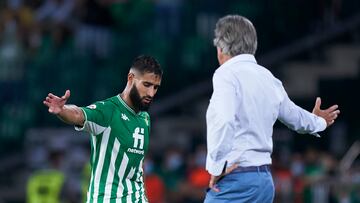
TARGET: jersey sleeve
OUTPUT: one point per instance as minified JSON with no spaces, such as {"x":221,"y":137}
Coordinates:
{"x":97,"y":117}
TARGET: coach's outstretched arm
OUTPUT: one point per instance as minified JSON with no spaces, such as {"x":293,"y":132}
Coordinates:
{"x":302,"y":121}
{"x":70,"y":114}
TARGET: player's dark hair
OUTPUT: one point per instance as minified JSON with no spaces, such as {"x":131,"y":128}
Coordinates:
{"x":147,"y":64}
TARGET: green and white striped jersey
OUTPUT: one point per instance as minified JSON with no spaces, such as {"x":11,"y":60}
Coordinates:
{"x":119,"y":141}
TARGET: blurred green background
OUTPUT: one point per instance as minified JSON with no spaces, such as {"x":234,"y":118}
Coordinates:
{"x":87,"y":46}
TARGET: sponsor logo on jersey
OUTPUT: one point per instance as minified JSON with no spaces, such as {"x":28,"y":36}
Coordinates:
{"x":135,"y":151}
{"x":138,"y":136}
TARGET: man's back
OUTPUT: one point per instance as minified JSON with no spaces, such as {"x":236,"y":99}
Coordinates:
{"x":246,"y":101}
{"x":259,"y":93}
{"x":257,"y":100}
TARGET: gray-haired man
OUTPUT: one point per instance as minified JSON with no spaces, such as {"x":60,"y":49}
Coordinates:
{"x":246,"y":102}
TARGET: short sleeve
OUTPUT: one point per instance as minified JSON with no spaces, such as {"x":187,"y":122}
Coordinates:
{"x":97,"y":117}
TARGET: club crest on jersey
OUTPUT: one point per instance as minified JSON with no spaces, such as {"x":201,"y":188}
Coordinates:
{"x":124,"y":117}
{"x":92,"y":106}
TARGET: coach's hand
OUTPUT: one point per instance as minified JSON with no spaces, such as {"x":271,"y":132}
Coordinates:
{"x":329,"y":114}
{"x":55,"y":103}
{"x":215,"y":179}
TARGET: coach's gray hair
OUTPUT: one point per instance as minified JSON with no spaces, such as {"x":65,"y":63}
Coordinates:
{"x":235,"y":35}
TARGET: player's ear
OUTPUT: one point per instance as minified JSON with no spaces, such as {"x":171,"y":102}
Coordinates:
{"x":130,"y":77}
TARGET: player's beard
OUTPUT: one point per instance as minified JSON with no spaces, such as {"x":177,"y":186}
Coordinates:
{"x":136,"y":99}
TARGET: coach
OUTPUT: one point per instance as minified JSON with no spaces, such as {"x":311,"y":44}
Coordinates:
{"x":246,"y":101}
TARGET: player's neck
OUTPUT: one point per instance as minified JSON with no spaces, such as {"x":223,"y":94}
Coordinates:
{"x":126,"y":97}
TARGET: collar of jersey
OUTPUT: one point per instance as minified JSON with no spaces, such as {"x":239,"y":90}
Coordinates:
{"x":126,"y":106}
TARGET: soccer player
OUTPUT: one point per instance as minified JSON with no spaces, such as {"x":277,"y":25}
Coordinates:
{"x":246,"y":101}
{"x":119,"y":128}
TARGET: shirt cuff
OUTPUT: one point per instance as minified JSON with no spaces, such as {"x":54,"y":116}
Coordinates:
{"x":215,"y":168}
{"x":321,"y":126}
{"x":81,"y":128}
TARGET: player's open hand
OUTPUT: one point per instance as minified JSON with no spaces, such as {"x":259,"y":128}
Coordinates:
{"x":55,"y":103}
{"x":329,"y":114}
{"x":215,"y":179}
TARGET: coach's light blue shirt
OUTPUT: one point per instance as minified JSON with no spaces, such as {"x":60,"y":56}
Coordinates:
{"x":246,"y":102}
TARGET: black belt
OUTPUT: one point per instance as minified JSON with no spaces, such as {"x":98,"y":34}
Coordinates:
{"x":262,"y":168}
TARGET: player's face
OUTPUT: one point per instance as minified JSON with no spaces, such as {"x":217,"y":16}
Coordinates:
{"x":144,"y":89}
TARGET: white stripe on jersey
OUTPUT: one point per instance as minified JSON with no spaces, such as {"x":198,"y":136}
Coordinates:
{"x":129,"y":188}
{"x":91,"y":127}
{"x":94,"y":140}
{"x":137,"y":193}
{"x":138,"y":174}
{"x":100,"y":164}
{"x":121,"y":173}
{"x":143,"y":197}
{"x":128,"y":184}
{"x":110,"y":175}
{"x":131,"y":173}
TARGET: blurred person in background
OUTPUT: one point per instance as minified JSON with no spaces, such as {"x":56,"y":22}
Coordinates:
{"x":55,"y":17}
{"x":197,"y":179}
{"x":119,"y":128}
{"x":49,"y":185}
{"x":154,"y":185}
{"x":168,"y":17}
{"x":246,"y":101}
{"x":297,"y":172}
{"x":93,"y":35}
{"x":172,"y":172}
{"x":15,"y":21}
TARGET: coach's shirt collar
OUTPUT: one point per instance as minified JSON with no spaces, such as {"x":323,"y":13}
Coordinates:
{"x":240,"y":58}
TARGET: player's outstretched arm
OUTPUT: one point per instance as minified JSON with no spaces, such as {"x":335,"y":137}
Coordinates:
{"x":70,"y":114}
{"x":329,"y":114}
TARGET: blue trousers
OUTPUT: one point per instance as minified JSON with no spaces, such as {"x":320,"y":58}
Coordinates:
{"x":239,"y":187}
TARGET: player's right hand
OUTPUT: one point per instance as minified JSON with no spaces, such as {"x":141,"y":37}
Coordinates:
{"x":55,"y":103}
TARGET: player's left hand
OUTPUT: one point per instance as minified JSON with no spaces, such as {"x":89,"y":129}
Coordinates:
{"x":215,"y":179}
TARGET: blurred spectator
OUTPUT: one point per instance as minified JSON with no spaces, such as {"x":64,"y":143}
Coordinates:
{"x":55,"y":17}
{"x":24,"y":16}
{"x":11,"y":51}
{"x":55,"y":11}
{"x":93,"y":34}
{"x":154,"y":185}
{"x":47,"y":185}
{"x":198,"y":178}
{"x":297,"y":171}
{"x":12,"y":54}
{"x":172,"y":172}
{"x":168,"y":17}
{"x":282,"y":177}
